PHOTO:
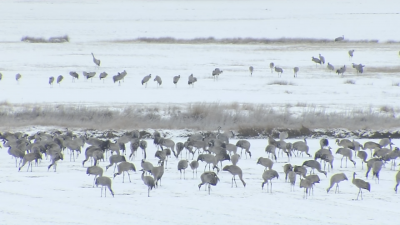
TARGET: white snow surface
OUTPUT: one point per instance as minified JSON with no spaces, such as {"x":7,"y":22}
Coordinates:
{"x":67,"y":196}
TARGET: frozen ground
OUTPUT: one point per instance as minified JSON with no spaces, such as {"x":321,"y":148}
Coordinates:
{"x":108,"y":29}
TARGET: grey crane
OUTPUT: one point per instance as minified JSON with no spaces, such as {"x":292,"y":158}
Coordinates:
{"x":123,"y":75}
{"x":324,"y":142}
{"x":216,"y":72}
{"x":267,"y":163}
{"x":158,"y":172}
{"x":176,"y":79}
{"x":192,"y":80}
{"x":146,"y":79}
{"x":167,"y":143}
{"x":330,"y":67}
{"x":370,"y":164}
{"x":143,"y":146}
{"x":268,"y":175}
{"x":376,"y":168}
{"x":244,"y":144}
{"x":392,"y":156}
{"x":271,"y":150}
{"x":271,"y":66}
{"x":316,"y":61}
{"x":345,"y":143}
{"x":346,"y":153}
{"x":231,"y":148}
{"x":286,"y":169}
{"x":307,"y":185}
{"x":125,"y":167}
{"x":351,"y":54}
{"x":158,"y":80}
{"x":303,"y":148}
{"x":339,"y":38}
{"x":371,"y":146}
{"x":106,"y":183}
{"x":51,"y":80}
{"x":322,"y":59}
{"x":183,"y":165}
{"x":194,"y":165}
{"x":336,"y":179}
{"x":28,"y":158}
{"x":96,"y":61}
{"x":208,"y":159}
{"x":209,"y":178}
{"x":341,"y":70}
{"x":251,"y":69}
{"x":74,"y":75}
{"x":59,"y":79}
{"x":385,"y":142}
{"x":279,"y":70}
{"x":54,"y":158}
{"x":397,"y":181}
{"x":118,"y":78}
{"x":114,"y":160}
{"x":103,"y":75}
{"x":93,"y":152}
{"x":235,"y":159}
{"x":146,"y":166}
{"x":97,"y":171}
{"x":360,"y":184}
{"x":18,"y":77}
{"x":148,"y":181}
{"x":314,"y":179}
{"x":292,"y":179}
{"x":315,"y":165}
{"x":89,"y":75}
{"x":295,"y":70}
{"x":328,"y":158}
{"x":363,"y":156}
{"x":134,"y":146}
{"x":235,"y":171}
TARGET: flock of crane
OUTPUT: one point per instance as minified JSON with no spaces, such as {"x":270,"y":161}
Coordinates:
{"x":212,"y":148}
{"x":191,"y":79}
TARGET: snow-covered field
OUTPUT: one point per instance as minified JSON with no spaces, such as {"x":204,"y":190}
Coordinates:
{"x":109,"y":29}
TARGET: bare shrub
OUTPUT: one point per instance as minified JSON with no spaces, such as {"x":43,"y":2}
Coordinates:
{"x":280,"y":82}
{"x":60,"y":39}
{"x":349,"y":82}
{"x":386,"y":109}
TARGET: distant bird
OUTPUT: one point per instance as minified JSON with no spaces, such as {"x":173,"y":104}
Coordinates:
{"x":360,"y":184}
{"x":18,"y":77}
{"x":336,"y":179}
{"x":397,"y":179}
{"x":322,"y":59}
{"x":194,"y":165}
{"x":51,"y":80}
{"x":292,"y":179}
{"x":123,"y":75}
{"x":183,"y":165}
{"x":307,"y":185}
{"x":363,"y":156}
{"x":103,"y":75}
{"x":314,"y":165}
{"x":209,"y":178}
{"x":341,"y":70}
{"x":346,"y":153}
{"x":74,"y":75}
{"x":89,"y":75}
{"x":148,"y":181}
{"x":339,"y":38}
{"x":158,"y":80}
{"x":216,"y":72}
{"x":104,"y":182}
{"x":267,"y":163}
{"x":125,"y":167}
{"x":1,"y":76}
{"x":295,"y":70}
{"x":376,"y":168}
{"x":286,"y":169}
{"x":324,"y":143}
{"x":316,"y":60}
{"x":176,"y":79}
{"x":146,"y":79}
{"x":235,"y":170}
{"x":330,"y":67}
{"x":96,"y":61}
{"x":279,"y":71}
{"x":59,"y":79}
{"x":268,"y":175}
{"x":271,"y":66}
{"x":192,"y":80}
{"x":385,"y":142}
{"x":251,"y":69}
{"x":351,"y":54}
{"x":96,"y":171}
{"x":118,"y":78}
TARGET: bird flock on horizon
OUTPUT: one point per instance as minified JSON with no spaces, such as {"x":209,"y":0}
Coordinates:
{"x":212,"y":150}
{"x":191,"y":79}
